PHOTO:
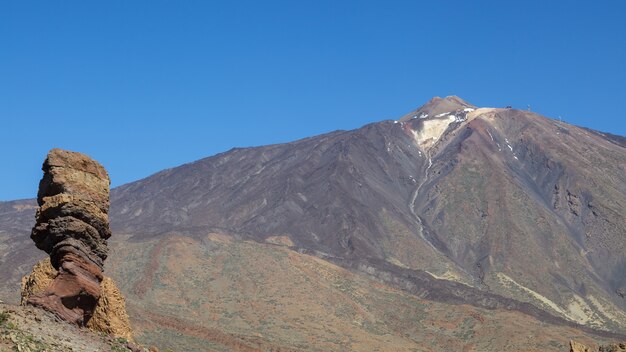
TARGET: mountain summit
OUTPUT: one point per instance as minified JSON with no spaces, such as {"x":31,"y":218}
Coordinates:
{"x":437,"y":106}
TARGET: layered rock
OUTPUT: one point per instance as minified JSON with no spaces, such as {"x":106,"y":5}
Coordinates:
{"x":72,"y":227}
{"x":110,"y":313}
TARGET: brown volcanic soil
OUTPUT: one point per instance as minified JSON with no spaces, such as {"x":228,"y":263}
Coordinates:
{"x":224,"y":294}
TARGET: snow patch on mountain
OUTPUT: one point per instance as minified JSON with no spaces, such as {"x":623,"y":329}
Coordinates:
{"x":431,"y":131}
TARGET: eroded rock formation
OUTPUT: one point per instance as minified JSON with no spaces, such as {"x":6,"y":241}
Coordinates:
{"x":72,"y":227}
{"x":110,"y":313}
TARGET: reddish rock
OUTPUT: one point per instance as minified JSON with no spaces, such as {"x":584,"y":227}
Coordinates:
{"x":72,"y":227}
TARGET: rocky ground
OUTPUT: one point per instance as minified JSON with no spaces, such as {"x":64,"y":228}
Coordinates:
{"x":615,"y":347}
{"x":28,"y":329}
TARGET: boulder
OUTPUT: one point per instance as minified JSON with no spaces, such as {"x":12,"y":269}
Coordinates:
{"x":578,"y":347}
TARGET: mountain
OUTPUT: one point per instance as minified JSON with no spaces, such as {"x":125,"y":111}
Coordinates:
{"x":376,"y":237}
{"x":17,"y":252}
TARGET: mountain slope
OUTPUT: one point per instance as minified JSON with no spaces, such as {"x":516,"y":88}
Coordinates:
{"x":18,"y":253}
{"x":541,"y":209}
{"x":500,"y":199}
{"x":216,"y":291}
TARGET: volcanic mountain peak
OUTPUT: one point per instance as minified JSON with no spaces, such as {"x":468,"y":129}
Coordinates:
{"x":438,"y":107}
{"x":428,"y":123}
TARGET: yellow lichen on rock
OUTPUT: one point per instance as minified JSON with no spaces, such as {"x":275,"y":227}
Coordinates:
{"x":578,"y":347}
{"x":110,"y":314}
{"x":38,"y":280}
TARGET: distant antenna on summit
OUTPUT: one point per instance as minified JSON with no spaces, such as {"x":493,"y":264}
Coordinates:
{"x":528,"y":107}
{"x":560,"y":126}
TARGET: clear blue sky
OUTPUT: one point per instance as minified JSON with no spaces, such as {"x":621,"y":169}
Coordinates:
{"x":146,"y":85}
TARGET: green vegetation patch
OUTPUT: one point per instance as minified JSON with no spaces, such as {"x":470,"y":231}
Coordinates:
{"x":20,"y":340}
{"x":4,"y":317}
